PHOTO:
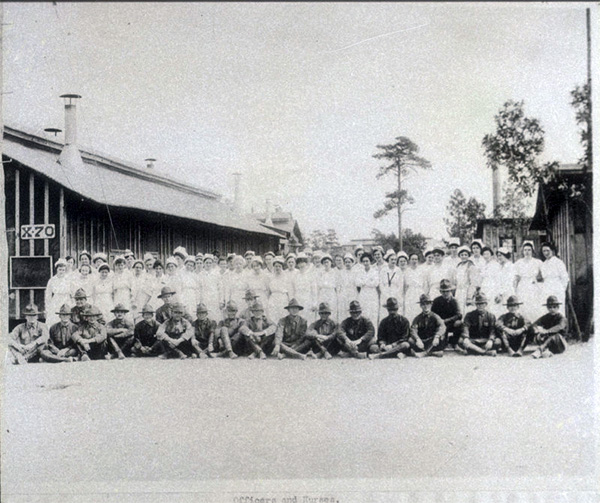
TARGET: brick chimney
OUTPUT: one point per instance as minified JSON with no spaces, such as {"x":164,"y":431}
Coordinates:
{"x":70,"y":156}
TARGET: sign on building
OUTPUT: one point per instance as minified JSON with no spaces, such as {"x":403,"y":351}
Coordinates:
{"x":38,"y":231}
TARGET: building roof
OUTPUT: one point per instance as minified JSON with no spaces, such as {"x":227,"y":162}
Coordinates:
{"x":281,"y":220}
{"x":115,"y":182}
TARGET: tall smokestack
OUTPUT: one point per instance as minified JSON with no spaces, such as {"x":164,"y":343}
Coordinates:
{"x":237,"y":203}
{"x":495,"y":189}
{"x":269,"y":213}
{"x":70,"y":156}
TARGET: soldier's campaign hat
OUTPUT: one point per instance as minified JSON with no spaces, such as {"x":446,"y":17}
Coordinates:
{"x":425,"y":299}
{"x":128,"y":253}
{"x":257,"y":306}
{"x":513,"y":300}
{"x":147,"y":309}
{"x":177,"y":308}
{"x":31,"y":310}
{"x":64,"y":309}
{"x":249,"y":253}
{"x":349,"y":256}
{"x":391,"y":303}
{"x":278,"y":260}
{"x":388,"y":254}
{"x":294,"y":303}
{"x":445,"y":286}
{"x":101,"y":256}
{"x":453,"y":241}
{"x":181,"y":251}
{"x":355,"y":307}
{"x":166,"y":290}
{"x":190,"y":258}
{"x":250,"y":295}
{"x":104,"y":266}
{"x":119,"y":308}
{"x":428,"y":251}
{"x":232,"y":306}
{"x":91,"y":311}
{"x":138,"y":261}
{"x":269,"y":253}
{"x":325,"y":257}
{"x":464,"y":249}
{"x":552,"y":301}
{"x":80,"y":294}
{"x":85,"y":252}
{"x":201,"y":308}
{"x":324,"y":308}
{"x":480,"y":298}
{"x":60,"y":261}
{"x":403,"y":254}
{"x":504,"y":251}
{"x":119,"y":258}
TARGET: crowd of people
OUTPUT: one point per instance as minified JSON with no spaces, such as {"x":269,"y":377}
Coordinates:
{"x":373,"y":304}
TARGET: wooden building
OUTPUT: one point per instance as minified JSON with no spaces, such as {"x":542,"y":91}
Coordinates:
{"x":78,"y":199}
{"x":509,"y":233}
{"x":567,"y":221}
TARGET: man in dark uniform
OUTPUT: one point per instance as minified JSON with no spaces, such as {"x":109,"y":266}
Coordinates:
{"x":259,"y":332}
{"x":357,"y":333}
{"x":514,"y":330}
{"x":228,"y":331}
{"x":27,"y":339}
{"x":291,"y":330}
{"x":120,"y":332}
{"x":479,"y":330}
{"x":176,"y":334}
{"x":322,"y":335}
{"x":205,"y":341}
{"x":60,"y":347}
{"x":81,"y":305}
{"x":144,"y":334}
{"x":90,"y":336}
{"x":164,"y":312}
{"x":250,"y":297}
{"x":446,"y":307}
{"x":550,"y":331}
{"x":392,"y":335}
{"x":427,"y":331}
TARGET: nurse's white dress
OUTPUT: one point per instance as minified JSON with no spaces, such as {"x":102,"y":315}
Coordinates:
{"x":413,"y":280}
{"x":368,"y":281}
{"x":556,"y":280}
{"x":58,"y":292}
{"x":326,"y":291}
{"x":529,"y":290}
{"x":103,"y":296}
{"x":347,"y":292}
{"x":281,"y":292}
{"x":391,"y":284}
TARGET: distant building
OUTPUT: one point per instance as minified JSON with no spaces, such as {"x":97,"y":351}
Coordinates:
{"x":283,"y":223}
{"x":508,"y":233}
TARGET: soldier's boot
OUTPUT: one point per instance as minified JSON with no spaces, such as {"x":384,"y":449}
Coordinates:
{"x":437,"y":354}
{"x":180,"y":354}
{"x":84,"y":357}
{"x":547,"y":353}
{"x":50,"y":357}
{"x":291,"y":352}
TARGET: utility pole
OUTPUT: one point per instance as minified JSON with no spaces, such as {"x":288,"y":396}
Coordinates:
{"x":3,"y":242}
{"x":589,"y":82}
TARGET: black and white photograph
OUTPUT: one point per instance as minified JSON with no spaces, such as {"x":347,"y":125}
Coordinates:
{"x":304,"y":252}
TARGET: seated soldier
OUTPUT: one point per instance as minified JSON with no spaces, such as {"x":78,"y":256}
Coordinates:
{"x":90,"y":336}
{"x":446,"y":307}
{"x":250,"y":297}
{"x":259,"y":332}
{"x":357,"y":333}
{"x":291,"y":330}
{"x":513,"y":329}
{"x":321,"y":339}
{"x":164,"y":312}
{"x":550,"y":331}
{"x":427,"y":331}
{"x":120,"y":333}
{"x":204,"y":340}
{"x":176,"y":334}
{"x":60,"y":347}
{"x":81,"y":304}
{"x":27,"y":339}
{"x":228,"y":335}
{"x":144,"y":334}
{"x":392,"y":335}
{"x":479,"y":330}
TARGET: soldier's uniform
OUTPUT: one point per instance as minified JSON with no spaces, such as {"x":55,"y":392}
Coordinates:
{"x":27,"y":339}
{"x":428,"y":327}
{"x":393,"y":333}
{"x":322,"y":336}
{"x":479,"y":331}
{"x":359,"y":330}
{"x":120,"y":333}
{"x":513,"y":329}
{"x":165,"y":312}
{"x":229,"y":329}
{"x":92,"y":333}
{"x":175,"y":337}
{"x":77,"y":311}
{"x":554,"y":327}
{"x":144,"y":334}
{"x":449,"y":311}
{"x":60,"y":345}
{"x":264,"y":343}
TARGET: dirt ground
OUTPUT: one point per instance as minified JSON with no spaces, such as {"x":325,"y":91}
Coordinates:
{"x":153,"y":420}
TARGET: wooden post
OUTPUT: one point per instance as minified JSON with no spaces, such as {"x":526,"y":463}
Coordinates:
{"x":17,"y":233}
{"x":31,"y":222}
{"x":62,"y":225}
{"x":3,"y":241}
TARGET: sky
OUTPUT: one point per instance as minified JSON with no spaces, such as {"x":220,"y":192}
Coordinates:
{"x":296,"y":96}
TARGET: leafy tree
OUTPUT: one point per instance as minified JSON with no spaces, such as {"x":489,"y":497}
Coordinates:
{"x":462,"y":216}
{"x":412,"y":242}
{"x":323,"y":240}
{"x":399,"y":158}
{"x":581,"y":100}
